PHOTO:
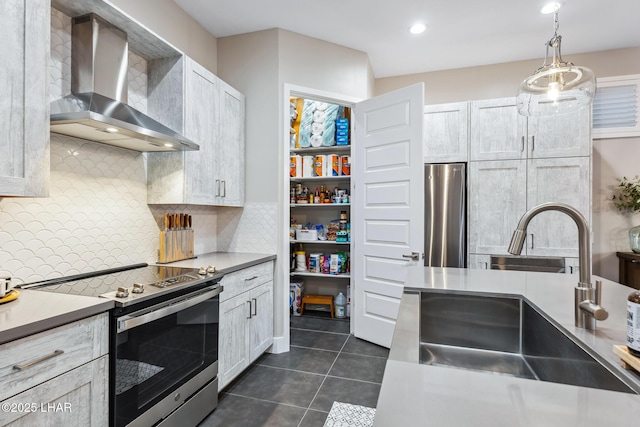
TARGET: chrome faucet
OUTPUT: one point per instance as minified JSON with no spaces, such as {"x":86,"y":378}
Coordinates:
{"x":587,"y":298}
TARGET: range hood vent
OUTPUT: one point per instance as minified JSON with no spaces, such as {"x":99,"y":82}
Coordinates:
{"x":97,"y":108}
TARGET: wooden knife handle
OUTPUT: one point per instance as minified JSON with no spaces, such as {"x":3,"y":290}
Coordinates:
{"x":166,"y":221}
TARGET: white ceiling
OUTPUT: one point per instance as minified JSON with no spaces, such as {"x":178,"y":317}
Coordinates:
{"x":460,"y":33}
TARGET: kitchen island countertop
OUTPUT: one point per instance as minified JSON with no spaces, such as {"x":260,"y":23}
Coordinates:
{"x":36,"y":311}
{"x":422,"y":395}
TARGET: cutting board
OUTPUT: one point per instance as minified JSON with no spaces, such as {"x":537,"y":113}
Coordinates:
{"x":629,"y":361}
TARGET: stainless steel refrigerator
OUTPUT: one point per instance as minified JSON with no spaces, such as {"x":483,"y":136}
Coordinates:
{"x":445,"y":215}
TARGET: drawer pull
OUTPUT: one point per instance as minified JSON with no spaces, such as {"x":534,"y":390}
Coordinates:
{"x":635,"y":261}
{"x":37,"y":361}
{"x":251,"y":278}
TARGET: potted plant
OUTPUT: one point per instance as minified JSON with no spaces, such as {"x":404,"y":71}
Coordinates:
{"x":627,"y":199}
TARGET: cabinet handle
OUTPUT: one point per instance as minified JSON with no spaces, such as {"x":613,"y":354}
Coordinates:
{"x":249,"y":302}
{"x":522,"y":145}
{"x":255,"y":306}
{"x":531,"y":240}
{"x":251,"y":278}
{"x":486,"y":265}
{"x":224,"y":188}
{"x":533,"y":142}
{"x":37,"y":361}
{"x":635,"y":261}
{"x":217,"y":188}
{"x":571,"y":269}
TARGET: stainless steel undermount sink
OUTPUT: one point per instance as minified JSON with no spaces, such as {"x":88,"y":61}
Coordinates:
{"x":507,"y":336}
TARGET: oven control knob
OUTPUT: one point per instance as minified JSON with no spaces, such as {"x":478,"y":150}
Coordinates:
{"x":122,"y":292}
{"x":211,"y":269}
{"x":138,"y":288}
{"x":202,"y":271}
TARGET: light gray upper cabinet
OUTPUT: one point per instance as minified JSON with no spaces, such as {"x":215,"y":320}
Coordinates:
{"x":24,"y":98}
{"x":230,"y":170}
{"x":497,"y":131}
{"x":566,"y":135}
{"x":446,"y":132}
{"x":194,"y":101}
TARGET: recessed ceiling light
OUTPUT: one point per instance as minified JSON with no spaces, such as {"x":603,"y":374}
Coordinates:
{"x":417,"y":28}
{"x":168,"y":144}
{"x":551,"y":7}
{"x":111,"y":130}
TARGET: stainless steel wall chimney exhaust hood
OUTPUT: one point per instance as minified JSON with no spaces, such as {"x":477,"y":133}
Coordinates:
{"x":97,"y":108}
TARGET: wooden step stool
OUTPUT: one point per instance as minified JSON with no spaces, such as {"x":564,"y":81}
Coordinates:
{"x":317,"y":299}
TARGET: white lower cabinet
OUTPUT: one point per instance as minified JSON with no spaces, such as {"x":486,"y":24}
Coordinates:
{"x":246,"y":320}
{"x":57,"y":377}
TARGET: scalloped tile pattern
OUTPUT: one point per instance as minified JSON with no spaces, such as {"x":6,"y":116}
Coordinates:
{"x":249,"y":229}
{"x":95,"y":218}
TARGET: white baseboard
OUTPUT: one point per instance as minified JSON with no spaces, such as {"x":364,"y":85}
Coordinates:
{"x":280,"y":345}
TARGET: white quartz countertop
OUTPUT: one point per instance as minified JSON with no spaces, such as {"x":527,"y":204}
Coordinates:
{"x":421,"y":395}
{"x":225,"y":262}
{"x":36,"y":311}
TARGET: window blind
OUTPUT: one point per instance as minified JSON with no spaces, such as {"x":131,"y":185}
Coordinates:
{"x":615,"y":107}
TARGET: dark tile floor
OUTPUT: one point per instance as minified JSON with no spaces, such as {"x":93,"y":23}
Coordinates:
{"x":297,"y":388}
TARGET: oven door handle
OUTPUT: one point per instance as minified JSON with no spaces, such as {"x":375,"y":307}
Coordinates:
{"x":125,"y":323}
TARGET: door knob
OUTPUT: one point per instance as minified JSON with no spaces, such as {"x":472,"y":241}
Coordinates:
{"x":414,"y":256}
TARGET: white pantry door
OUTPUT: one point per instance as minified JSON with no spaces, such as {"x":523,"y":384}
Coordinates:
{"x":387,"y":207}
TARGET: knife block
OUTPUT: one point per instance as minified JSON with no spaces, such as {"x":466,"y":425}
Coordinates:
{"x":176,"y":245}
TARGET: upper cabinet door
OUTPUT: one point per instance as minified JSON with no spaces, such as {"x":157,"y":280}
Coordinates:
{"x":201,"y":119}
{"x":565,"y":135}
{"x":24,"y":98}
{"x":230,"y":174}
{"x":497,"y":131}
{"x":445,"y":132}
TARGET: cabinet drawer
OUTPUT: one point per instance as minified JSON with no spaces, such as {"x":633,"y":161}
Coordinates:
{"x":50,"y":353}
{"x":76,"y":398}
{"x":240,"y":281}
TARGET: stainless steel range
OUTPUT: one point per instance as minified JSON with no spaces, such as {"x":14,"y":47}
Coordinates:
{"x":163,"y":340}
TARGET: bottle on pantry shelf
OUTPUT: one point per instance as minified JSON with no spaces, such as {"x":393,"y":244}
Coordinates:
{"x":316,"y":196}
{"x":340,"y":303}
{"x":633,"y":323}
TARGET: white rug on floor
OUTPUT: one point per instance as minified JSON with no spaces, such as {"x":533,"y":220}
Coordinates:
{"x":347,"y":415}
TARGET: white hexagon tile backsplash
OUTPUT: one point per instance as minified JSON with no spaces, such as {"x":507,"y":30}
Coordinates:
{"x":96,"y":217}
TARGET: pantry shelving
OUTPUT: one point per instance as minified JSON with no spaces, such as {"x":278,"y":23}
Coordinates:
{"x":322,"y":275}
{"x":318,"y":174}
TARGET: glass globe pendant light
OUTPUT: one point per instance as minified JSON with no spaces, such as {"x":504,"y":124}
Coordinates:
{"x":558,"y":87}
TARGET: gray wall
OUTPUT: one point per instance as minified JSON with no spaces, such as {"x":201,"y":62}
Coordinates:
{"x":169,"y":21}
{"x":612,"y":159}
{"x":259,"y":65}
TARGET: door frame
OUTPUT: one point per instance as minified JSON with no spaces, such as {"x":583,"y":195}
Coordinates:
{"x":281,"y":344}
